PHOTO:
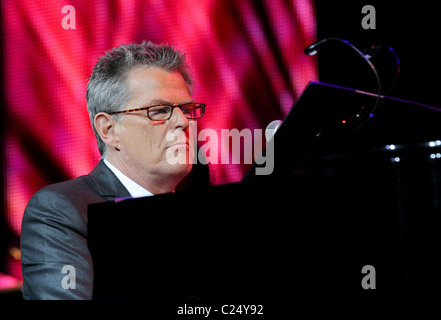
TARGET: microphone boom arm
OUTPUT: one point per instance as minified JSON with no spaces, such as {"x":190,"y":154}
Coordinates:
{"x":315,"y":47}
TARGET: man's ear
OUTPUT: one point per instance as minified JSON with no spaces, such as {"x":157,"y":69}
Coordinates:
{"x":105,"y":125}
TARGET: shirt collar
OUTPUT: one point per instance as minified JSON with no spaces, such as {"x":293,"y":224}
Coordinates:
{"x":135,"y":190}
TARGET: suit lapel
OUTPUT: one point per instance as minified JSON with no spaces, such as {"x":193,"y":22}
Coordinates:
{"x":106,"y":183}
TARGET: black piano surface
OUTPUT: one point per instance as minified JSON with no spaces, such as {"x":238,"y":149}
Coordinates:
{"x":343,"y":200}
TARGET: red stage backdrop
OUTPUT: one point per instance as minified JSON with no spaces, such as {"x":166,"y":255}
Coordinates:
{"x":246,"y":58}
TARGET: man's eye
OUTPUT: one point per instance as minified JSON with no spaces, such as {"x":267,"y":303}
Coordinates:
{"x":159,"y":113}
{"x":186,"y":110}
{"x":159,"y":110}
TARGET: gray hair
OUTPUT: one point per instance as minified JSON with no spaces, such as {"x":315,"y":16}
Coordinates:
{"x":107,"y":89}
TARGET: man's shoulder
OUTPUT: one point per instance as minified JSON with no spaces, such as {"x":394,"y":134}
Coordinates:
{"x":99,"y":185}
{"x":74,"y":188}
{"x":79,"y":188}
{"x":75,"y":194}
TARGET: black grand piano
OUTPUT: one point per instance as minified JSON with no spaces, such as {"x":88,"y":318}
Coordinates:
{"x":342,"y":199}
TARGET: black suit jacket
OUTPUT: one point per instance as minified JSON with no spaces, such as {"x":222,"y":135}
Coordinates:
{"x":54,"y":234}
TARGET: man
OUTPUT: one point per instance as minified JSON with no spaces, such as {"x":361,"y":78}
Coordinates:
{"x":140,"y":106}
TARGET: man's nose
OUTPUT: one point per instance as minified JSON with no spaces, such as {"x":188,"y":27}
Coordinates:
{"x":179,"y":119}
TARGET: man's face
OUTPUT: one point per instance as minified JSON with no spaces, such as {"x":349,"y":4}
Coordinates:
{"x":159,"y":148}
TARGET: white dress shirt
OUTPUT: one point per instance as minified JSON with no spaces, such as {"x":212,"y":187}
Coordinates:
{"x":134,"y":189}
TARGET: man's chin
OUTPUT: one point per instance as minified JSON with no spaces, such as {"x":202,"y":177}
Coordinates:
{"x":180,"y":169}
{"x":179,"y":156}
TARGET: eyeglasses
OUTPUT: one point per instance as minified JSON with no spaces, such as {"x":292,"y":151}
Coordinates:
{"x":161,"y":112}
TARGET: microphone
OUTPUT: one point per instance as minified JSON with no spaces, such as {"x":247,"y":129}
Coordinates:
{"x":372,"y":51}
{"x":316,"y":46}
{"x":271,"y":129}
